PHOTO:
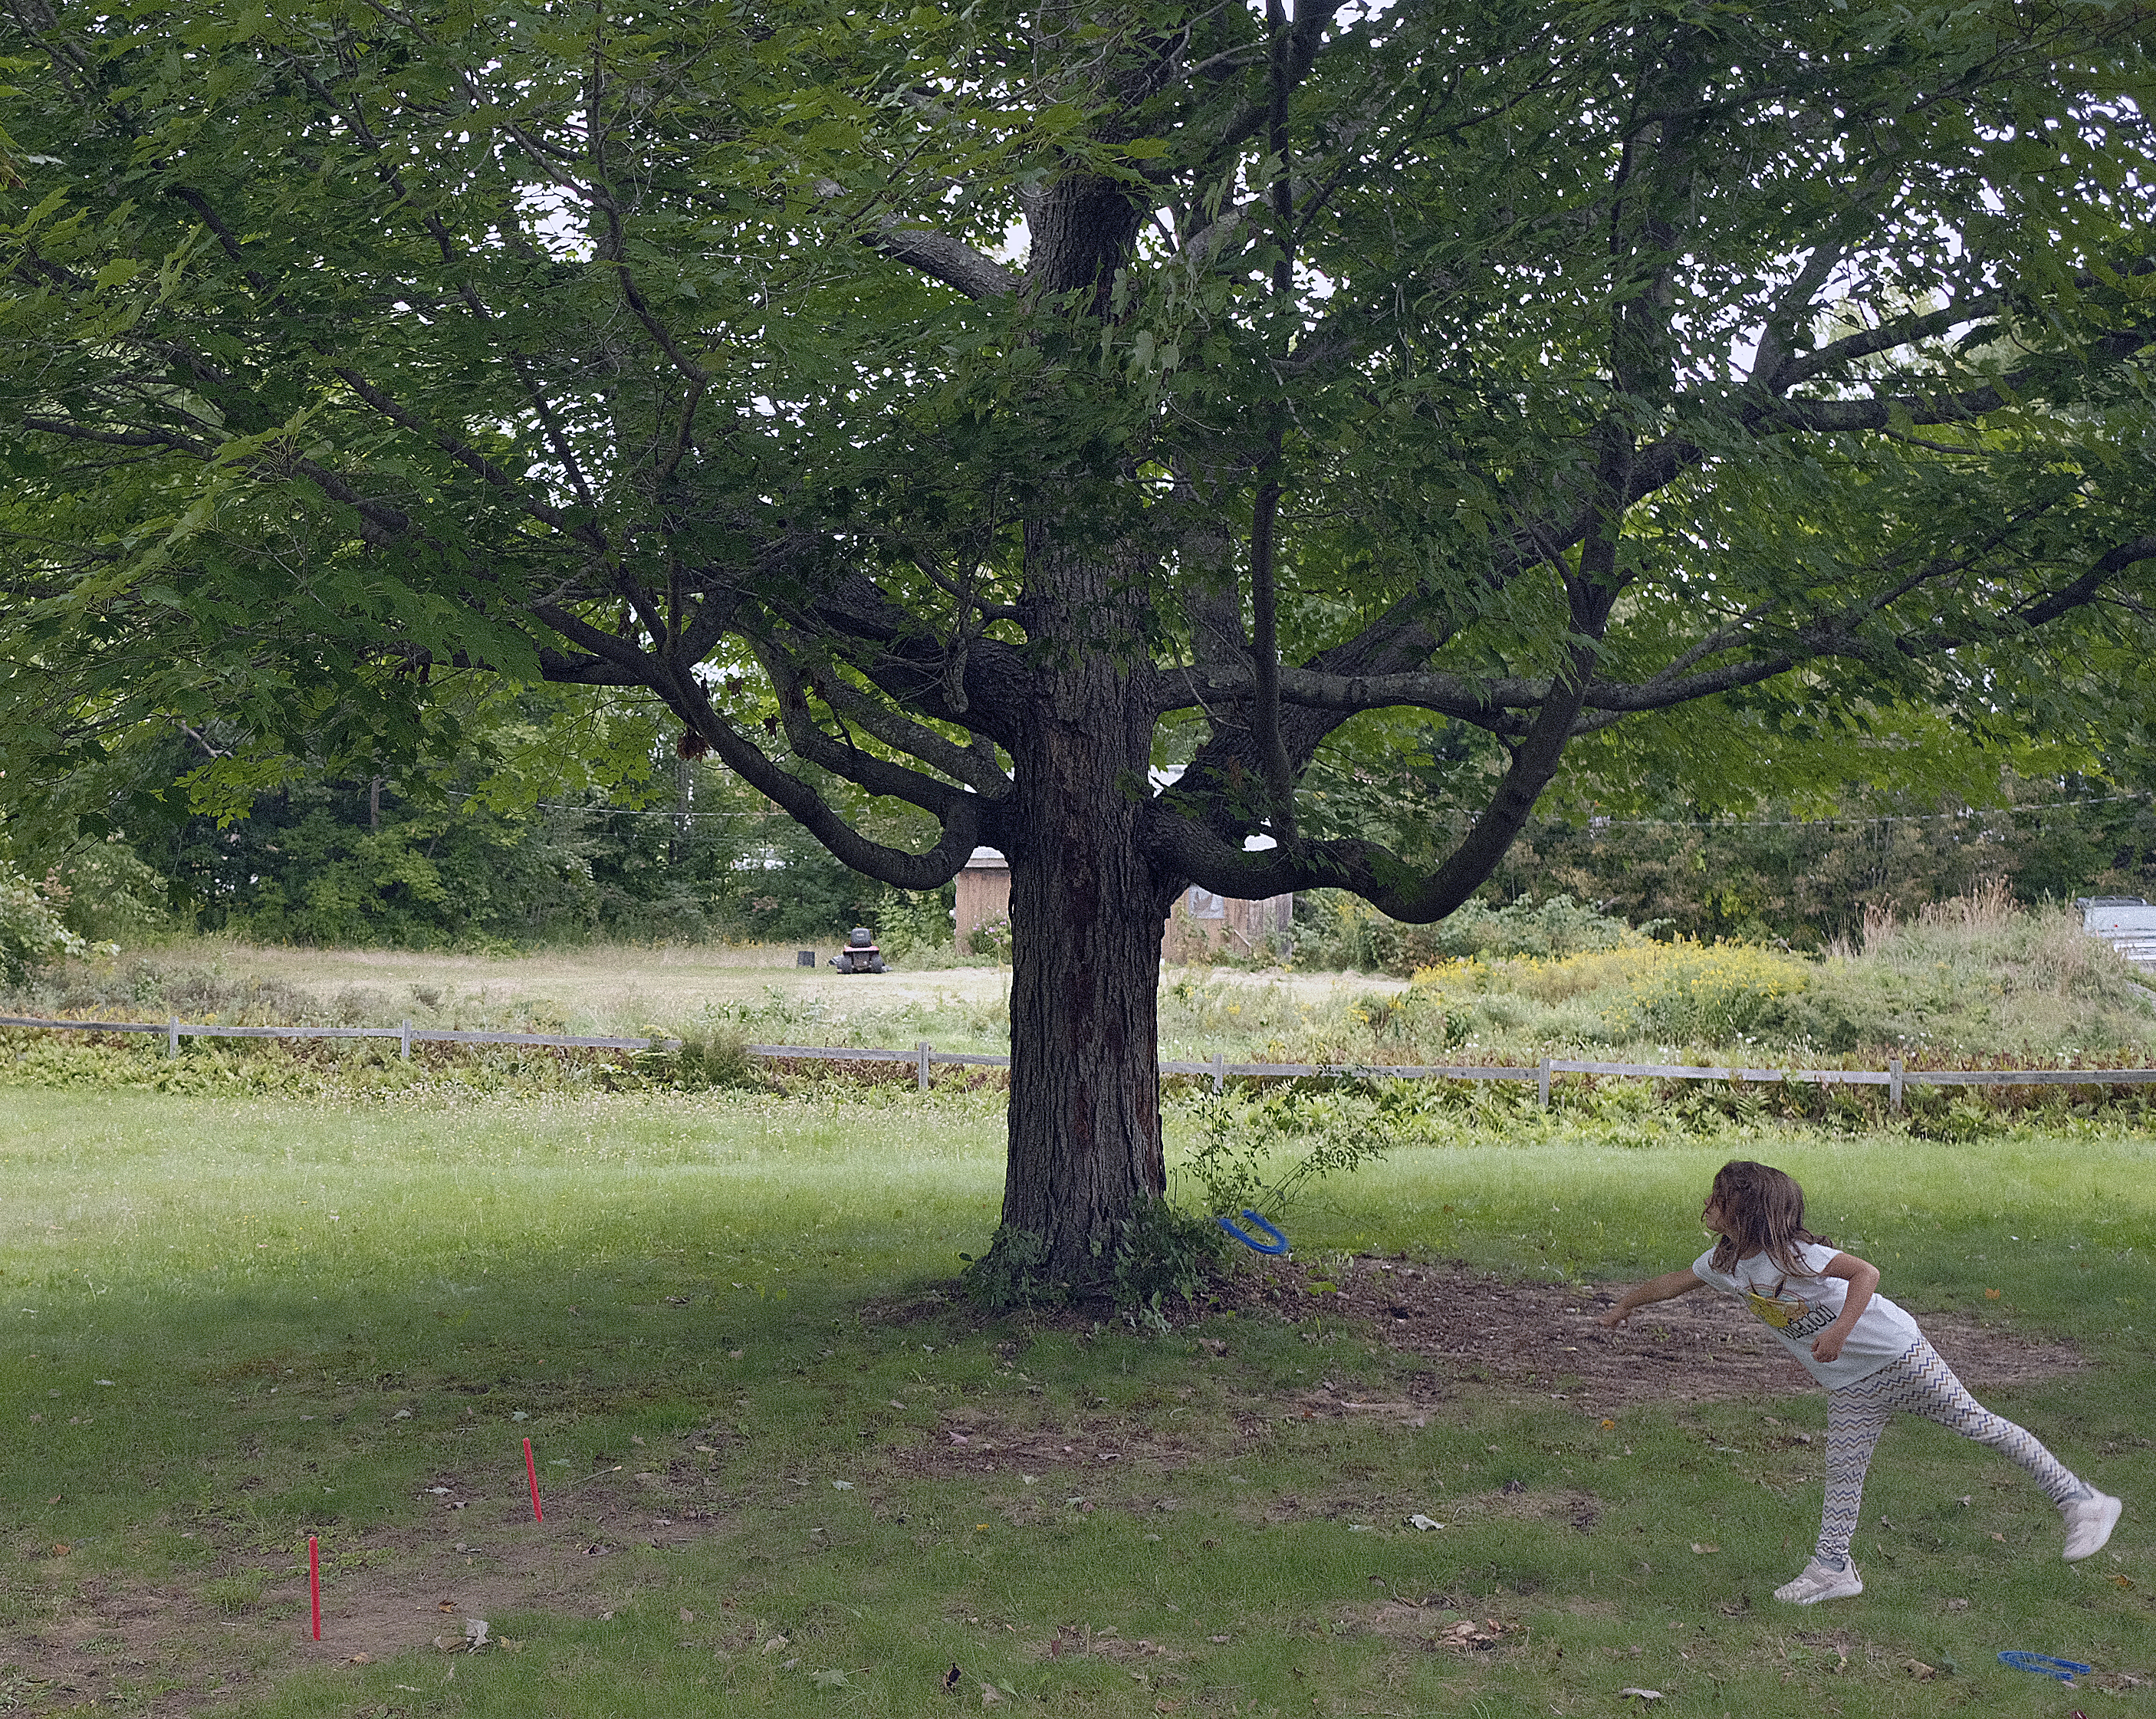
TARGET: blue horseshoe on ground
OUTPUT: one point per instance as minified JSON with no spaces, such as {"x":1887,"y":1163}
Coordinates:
{"x":2064,"y":1670}
{"x":1278,"y":1244}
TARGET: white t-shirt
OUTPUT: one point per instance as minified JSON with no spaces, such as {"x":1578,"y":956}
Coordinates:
{"x":1797,"y":1307}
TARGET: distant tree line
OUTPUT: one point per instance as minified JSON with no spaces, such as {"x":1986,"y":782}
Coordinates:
{"x":1774,"y":875}
{"x":336,"y":859}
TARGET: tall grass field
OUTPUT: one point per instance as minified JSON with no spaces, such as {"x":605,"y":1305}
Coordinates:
{"x":785,"y":1469}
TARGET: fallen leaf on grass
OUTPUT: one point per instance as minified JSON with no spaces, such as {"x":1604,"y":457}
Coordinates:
{"x":1919,"y":1670}
{"x":2125,"y":1582}
{"x":1703,"y":1546}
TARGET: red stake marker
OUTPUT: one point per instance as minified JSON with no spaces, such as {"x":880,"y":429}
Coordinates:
{"x":531,"y":1474}
{"x":314,"y":1583}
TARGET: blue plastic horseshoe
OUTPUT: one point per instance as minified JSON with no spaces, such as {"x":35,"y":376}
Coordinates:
{"x":1278,"y":1244}
{"x":2064,"y":1670}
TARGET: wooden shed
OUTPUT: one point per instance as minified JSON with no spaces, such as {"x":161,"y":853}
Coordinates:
{"x":1202,"y":924}
{"x":1199,"y":925}
{"x":984,"y":896}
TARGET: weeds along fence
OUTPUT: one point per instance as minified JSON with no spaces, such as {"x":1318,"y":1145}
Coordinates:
{"x":924,"y":1057}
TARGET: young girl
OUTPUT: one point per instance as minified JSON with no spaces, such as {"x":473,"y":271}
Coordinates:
{"x":1864,"y":1349}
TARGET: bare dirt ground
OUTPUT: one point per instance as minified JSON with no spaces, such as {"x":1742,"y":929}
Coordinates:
{"x":479,"y":1556}
{"x":1484,"y":1334}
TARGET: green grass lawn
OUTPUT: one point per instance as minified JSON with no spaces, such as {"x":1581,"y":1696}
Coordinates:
{"x":782,"y":1475}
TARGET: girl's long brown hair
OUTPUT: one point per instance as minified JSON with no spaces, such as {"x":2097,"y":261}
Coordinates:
{"x":1764,"y":1210}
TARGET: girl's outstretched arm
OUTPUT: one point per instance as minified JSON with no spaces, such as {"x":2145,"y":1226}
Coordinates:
{"x":1665,"y":1288}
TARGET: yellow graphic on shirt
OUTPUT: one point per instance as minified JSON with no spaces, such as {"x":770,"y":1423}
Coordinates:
{"x":1777,"y":1310}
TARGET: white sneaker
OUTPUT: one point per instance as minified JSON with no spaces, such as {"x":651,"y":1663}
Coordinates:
{"x":1818,"y":1582}
{"x":2089,"y":1523}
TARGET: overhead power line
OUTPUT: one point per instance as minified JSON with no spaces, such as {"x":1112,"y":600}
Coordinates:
{"x":1882,"y":817}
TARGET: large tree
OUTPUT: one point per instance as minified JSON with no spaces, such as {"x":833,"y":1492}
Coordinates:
{"x":975,"y":408}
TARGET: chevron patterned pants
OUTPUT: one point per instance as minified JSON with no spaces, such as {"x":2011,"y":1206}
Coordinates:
{"x":1917,"y":1383}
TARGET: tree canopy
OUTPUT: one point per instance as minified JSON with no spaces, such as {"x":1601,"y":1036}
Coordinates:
{"x":972,"y":409}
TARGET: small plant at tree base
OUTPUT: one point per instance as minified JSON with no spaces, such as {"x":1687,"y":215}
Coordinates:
{"x":1241,"y":1137}
{"x":1160,"y":1253}
{"x":1011,"y":1276}
{"x":1163,"y":1251}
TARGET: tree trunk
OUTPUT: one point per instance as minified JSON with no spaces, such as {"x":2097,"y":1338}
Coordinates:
{"x":1087,"y":910}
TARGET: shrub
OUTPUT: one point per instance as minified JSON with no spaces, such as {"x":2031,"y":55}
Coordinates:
{"x":913,"y":921}
{"x":712,"y":1055}
{"x":104,"y":893}
{"x":1709,"y":993}
{"x":1335,"y":930}
{"x":31,"y":930}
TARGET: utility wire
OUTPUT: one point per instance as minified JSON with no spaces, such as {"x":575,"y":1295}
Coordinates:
{"x":1594,"y":823}
{"x":1830,"y":823}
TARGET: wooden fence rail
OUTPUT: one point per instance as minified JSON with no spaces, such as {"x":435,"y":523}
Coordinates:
{"x":1894,"y":1077}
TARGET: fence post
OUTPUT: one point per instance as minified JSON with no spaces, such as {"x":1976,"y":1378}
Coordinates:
{"x":920,"y":1064}
{"x":1541,"y":1084}
{"x":172,"y":1037}
{"x":1894,"y":1084}
{"x":404,"y":1042}
{"x":1219,"y":1072}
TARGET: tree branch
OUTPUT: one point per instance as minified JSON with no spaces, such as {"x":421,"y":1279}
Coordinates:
{"x":790,"y":680}
{"x":901,"y":733}
{"x":965,"y":820}
{"x":935,"y":255}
